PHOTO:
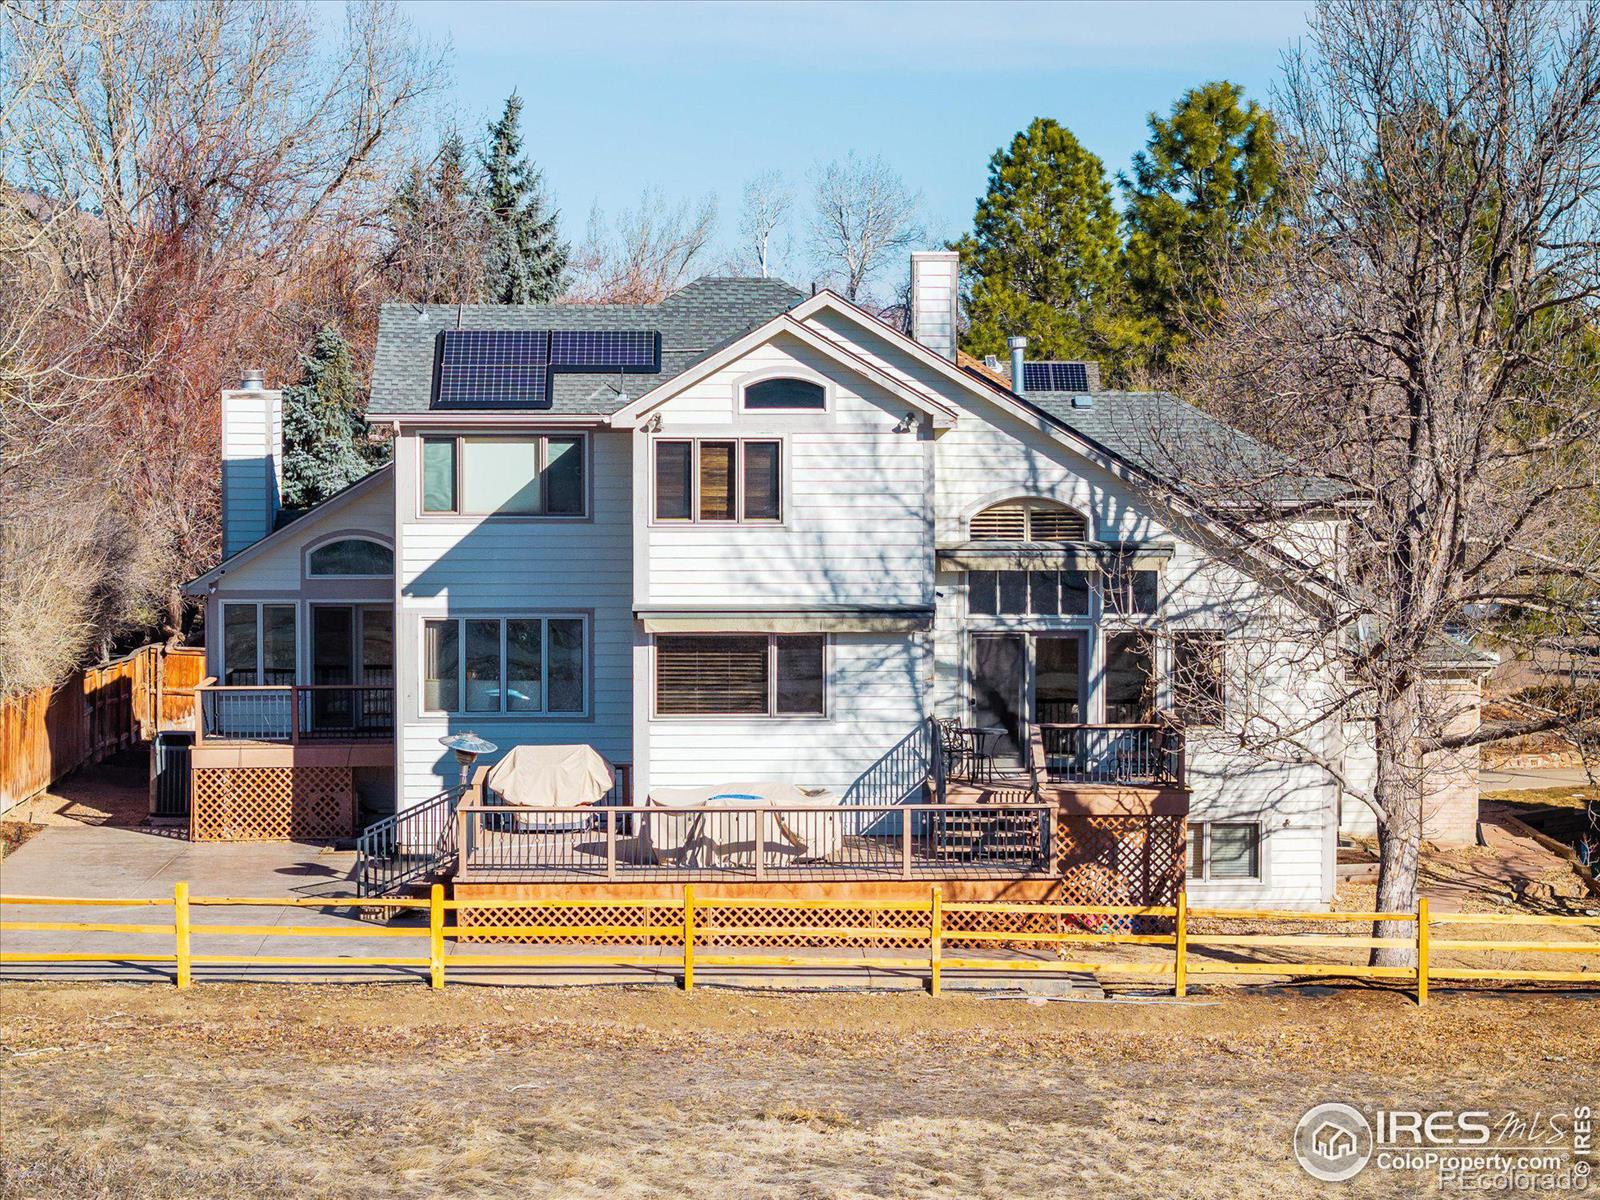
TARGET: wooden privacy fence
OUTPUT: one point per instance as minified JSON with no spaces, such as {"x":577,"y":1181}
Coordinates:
{"x":96,"y":712}
{"x":688,"y":932}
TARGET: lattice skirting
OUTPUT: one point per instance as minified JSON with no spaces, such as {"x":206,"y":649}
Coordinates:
{"x":266,"y":804}
{"x":720,"y":926}
{"x":1103,"y":860}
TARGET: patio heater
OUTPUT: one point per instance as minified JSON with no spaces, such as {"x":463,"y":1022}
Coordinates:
{"x":467,"y":746}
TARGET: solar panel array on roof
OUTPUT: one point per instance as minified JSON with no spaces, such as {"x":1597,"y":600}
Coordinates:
{"x":493,"y":368}
{"x":631,"y":351}
{"x":503,"y":368}
{"x":1055,"y":377}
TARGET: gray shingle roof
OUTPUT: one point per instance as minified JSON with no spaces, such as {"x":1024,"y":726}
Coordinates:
{"x":1172,"y":439}
{"x":695,"y":320}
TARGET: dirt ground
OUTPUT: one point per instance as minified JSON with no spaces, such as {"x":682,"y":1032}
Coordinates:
{"x":233,"y":1091}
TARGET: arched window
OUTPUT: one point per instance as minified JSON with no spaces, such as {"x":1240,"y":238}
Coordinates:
{"x":351,"y":556}
{"x":1030,"y":521}
{"x":785,"y":394}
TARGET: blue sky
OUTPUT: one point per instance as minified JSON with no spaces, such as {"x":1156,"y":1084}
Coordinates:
{"x":697,"y":98}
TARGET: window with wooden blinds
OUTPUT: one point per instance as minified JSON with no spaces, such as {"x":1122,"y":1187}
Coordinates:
{"x":714,"y":675}
{"x":716,"y":482}
{"x":1022,"y":521}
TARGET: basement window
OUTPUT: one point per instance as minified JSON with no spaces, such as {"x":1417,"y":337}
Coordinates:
{"x":1224,"y":851}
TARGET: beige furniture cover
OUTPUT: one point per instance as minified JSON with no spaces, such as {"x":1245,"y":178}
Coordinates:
{"x":694,"y":827}
{"x":550,"y":777}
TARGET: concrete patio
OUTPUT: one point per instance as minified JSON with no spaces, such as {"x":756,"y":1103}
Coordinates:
{"x":141,"y":862}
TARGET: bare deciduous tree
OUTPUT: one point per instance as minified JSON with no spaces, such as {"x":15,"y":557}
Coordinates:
{"x":1425,"y":341}
{"x":864,"y":216}
{"x":172,"y":174}
{"x":647,"y":253}
{"x":767,"y":201}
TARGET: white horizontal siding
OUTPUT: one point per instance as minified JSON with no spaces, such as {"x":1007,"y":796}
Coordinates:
{"x":496,"y":567}
{"x":855,"y":508}
{"x":278,"y":568}
{"x":874,"y":700}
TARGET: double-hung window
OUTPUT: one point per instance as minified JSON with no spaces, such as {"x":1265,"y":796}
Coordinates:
{"x":741,"y":675}
{"x":718,"y":480}
{"x":504,"y":475}
{"x":504,"y":665}
{"x":1224,"y":850}
{"x":258,"y":645}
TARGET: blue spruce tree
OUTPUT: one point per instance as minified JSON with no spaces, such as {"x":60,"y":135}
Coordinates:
{"x":526,"y":260}
{"x":326,"y":447}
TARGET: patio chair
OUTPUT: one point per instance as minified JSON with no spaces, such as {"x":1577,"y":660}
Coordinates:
{"x":958,"y":748}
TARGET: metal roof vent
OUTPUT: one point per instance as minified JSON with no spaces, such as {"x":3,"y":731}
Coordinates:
{"x":1083,"y":400}
{"x":252,"y":380}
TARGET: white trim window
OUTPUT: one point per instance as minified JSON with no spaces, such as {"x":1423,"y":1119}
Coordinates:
{"x":1224,"y":851}
{"x":515,"y":665}
{"x":258,"y":644}
{"x":718,"y":480}
{"x":741,"y":675}
{"x":503,"y":475}
{"x":1199,"y":678}
{"x":784,"y":393}
{"x":351,"y":557}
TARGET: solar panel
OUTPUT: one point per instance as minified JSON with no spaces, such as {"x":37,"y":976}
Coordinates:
{"x":631,"y":351}
{"x":489,"y":368}
{"x":1055,"y":377}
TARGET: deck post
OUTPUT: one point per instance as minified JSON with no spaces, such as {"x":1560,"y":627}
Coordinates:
{"x":436,"y":936}
{"x":1422,"y":950}
{"x":1180,"y":970}
{"x":935,"y":940}
{"x":905,"y":844}
{"x":611,"y":843}
{"x":180,"y":930}
{"x":688,"y":937}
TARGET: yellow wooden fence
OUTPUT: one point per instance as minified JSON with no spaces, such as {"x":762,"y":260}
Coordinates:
{"x":693,"y":932}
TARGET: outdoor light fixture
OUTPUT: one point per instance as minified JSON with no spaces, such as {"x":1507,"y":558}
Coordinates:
{"x":467,"y":746}
{"x":907,"y":423}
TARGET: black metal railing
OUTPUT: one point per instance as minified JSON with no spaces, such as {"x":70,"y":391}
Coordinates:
{"x":756,"y":842}
{"x":292,"y":714}
{"x":416,"y":843}
{"x":339,"y":713}
{"x":904,"y":773}
{"x":1139,"y":755}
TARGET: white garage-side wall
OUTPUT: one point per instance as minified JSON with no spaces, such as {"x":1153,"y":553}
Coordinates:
{"x":452,"y":566}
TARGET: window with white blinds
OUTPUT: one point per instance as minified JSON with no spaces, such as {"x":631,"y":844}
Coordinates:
{"x":749,"y":675}
{"x":1029,"y":521}
{"x":1224,"y":850}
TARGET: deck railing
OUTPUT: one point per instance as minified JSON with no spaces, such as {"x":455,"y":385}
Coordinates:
{"x":288,"y":715}
{"x":859,"y":841}
{"x":415,"y":843}
{"x":1135,"y":755}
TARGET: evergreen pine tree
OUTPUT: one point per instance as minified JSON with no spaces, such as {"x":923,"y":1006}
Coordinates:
{"x":526,"y":262}
{"x":1045,"y":258}
{"x":1203,"y":189}
{"x":326,"y":447}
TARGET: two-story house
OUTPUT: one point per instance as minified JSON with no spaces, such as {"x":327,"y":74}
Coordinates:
{"x":740,"y":534}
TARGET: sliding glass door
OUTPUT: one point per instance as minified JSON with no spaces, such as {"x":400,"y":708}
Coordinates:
{"x":1018,"y":678}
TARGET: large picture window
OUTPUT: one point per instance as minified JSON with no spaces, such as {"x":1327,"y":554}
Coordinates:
{"x":258,"y":645}
{"x":744,"y":675}
{"x":716,"y":480}
{"x":503,"y":475}
{"x":504,"y":665}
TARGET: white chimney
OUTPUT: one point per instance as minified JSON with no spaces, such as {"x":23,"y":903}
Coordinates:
{"x":252,"y":462}
{"x":935,"y":279}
